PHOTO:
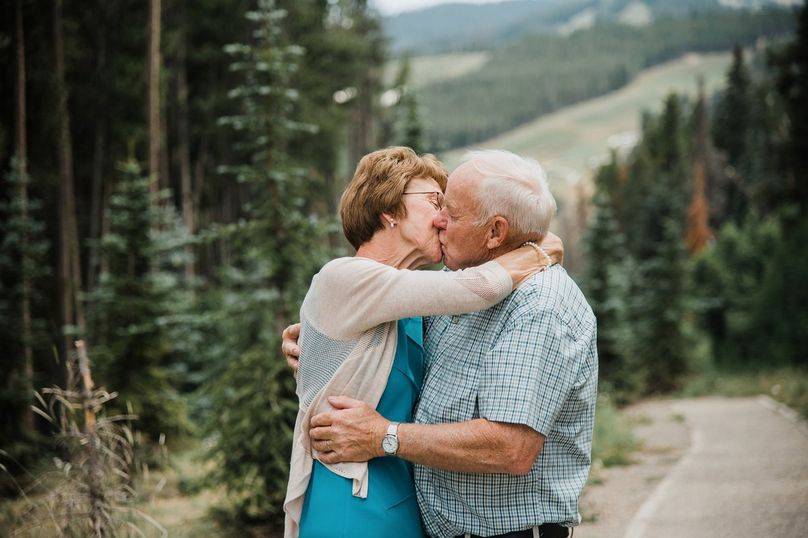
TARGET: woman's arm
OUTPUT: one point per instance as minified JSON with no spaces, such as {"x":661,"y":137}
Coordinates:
{"x":353,"y":295}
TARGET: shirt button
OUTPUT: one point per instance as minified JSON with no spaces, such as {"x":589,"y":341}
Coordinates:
{"x":455,"y":319}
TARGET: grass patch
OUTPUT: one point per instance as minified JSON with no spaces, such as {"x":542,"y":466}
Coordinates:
{"x":787,"y":385}
{"x":613,"y":441}
{"x":433,"y":68}
{"x":176,"y":495}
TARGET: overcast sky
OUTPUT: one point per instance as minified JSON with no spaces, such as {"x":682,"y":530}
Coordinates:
{"x":391,"y":7}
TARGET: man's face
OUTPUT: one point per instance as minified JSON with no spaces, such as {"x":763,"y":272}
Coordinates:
{"x":463,"y":241}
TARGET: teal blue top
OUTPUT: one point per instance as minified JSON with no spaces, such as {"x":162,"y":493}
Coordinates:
{"x":390,"y":509}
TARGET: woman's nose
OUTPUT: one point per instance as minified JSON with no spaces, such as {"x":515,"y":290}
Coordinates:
{"x":440,"y":220}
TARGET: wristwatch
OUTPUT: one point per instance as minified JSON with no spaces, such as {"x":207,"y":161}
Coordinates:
{"x":390,"y":441}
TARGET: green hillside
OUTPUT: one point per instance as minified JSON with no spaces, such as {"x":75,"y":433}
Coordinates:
{"x":571,"y":141}
{"x":540,"y":74}
{"x":425,"y":70}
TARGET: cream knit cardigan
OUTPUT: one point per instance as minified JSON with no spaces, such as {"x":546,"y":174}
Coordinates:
{"x":348,"y":343}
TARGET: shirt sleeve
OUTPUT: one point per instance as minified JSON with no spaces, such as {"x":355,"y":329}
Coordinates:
{"x":529,"y":373}
{"x":357,"y":294}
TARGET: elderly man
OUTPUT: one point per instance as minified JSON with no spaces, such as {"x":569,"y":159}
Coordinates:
{"x":502,"y":436}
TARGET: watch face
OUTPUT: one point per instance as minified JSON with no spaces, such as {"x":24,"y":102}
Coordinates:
{"x":390,"y":444}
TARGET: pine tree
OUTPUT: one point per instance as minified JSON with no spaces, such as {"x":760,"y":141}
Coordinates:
{"x":661,"y":303}
{"x":281,"y":244}
{"x":732,"y":126}
{"x":791,"y":71}
{"x":731,"y":132}
{"x":728,"y":278}
{"x":407,"y":126}
{"x":132,"y":351}
{"x":663,"y":274}
{"x":412,"y":135}
{"x":653,"y":217}
{"x":606,"y":253}
{"x":23,"y":251}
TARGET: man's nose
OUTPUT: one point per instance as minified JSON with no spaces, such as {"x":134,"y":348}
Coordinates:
{"x":440,"y":220}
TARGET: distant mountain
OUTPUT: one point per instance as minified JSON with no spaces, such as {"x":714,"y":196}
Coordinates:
{"x":466,"y":27}
{"x":456,"y":27}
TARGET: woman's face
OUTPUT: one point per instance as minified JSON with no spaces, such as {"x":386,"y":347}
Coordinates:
{"x":423,"y":199}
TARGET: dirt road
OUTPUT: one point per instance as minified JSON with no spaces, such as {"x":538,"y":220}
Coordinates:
{"x":712,"y":467}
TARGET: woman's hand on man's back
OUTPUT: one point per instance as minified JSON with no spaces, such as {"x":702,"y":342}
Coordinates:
{"x":289,"y":347}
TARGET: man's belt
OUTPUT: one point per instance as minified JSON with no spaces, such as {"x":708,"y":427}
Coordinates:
{"x":548,"y":530}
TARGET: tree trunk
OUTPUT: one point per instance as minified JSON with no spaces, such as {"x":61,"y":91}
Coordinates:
{"x":200,"y":166}
{"x":105,"y":193}
{"x":154,"y":95}
{"x":22,"y":156}
{"x":70,"y":272}
{"x":99,"y":151}
{"x":184,"y":149}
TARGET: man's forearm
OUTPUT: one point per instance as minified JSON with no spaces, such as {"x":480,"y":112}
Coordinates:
{"x":475,"y":446}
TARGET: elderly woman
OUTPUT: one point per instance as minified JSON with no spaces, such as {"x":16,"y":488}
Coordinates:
{"x":361,"y":336}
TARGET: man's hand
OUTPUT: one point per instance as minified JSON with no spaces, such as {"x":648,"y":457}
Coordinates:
{"x":554,"y":247}
{"x":352,"y":432}
{"x":289,"y":346}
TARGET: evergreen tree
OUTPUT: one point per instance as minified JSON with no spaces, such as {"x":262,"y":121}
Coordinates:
{"x":412,"y":135}
{"x":728,"y":277}
{"x":280,"y":245}
{"x":649,"y":313}
{"x":732,"y":131}
{"x":658,"y":186}
{"x":132,"y":352}
{"x":792,"y":67}
{"x":779,"y":317}
{"x":661,"y":304}
{"x":607,"y":289}
{"x":23,"y":250}
{"x":407,"y":127}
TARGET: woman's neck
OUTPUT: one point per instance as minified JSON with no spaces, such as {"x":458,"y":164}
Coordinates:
{"x":388,"y":250}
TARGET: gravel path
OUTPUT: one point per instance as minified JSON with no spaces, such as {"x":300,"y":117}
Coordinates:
{"x":743,"y":473}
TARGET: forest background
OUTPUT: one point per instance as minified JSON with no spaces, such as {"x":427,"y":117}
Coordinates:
{"x":171,"y":173}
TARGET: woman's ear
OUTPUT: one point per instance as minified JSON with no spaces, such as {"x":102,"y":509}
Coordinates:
{"x":498,"y":231}
{"x":388,"y":220}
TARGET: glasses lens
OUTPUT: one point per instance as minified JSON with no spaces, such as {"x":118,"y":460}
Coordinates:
{"x":439,"y":200}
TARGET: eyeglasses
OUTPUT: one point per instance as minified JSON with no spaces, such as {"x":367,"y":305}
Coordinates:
{"x":436,"y":199}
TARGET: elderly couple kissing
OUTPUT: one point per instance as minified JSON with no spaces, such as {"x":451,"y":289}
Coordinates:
{"x":444,"y":403}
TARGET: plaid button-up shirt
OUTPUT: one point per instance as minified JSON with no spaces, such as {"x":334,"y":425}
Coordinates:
{"x":532,"y":359}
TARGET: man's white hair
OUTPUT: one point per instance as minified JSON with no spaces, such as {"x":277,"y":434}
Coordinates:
{"x":513,"y":187}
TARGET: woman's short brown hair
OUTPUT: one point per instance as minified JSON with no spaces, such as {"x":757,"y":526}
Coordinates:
{"x":377,"y":187}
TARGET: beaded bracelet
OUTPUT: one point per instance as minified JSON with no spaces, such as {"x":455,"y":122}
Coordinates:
{"x":548,"y":261}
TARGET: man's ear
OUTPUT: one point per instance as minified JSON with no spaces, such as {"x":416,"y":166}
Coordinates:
{"x":498,"y":230}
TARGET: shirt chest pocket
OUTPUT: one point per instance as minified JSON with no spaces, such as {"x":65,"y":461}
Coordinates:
{"x":451,"y":393}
